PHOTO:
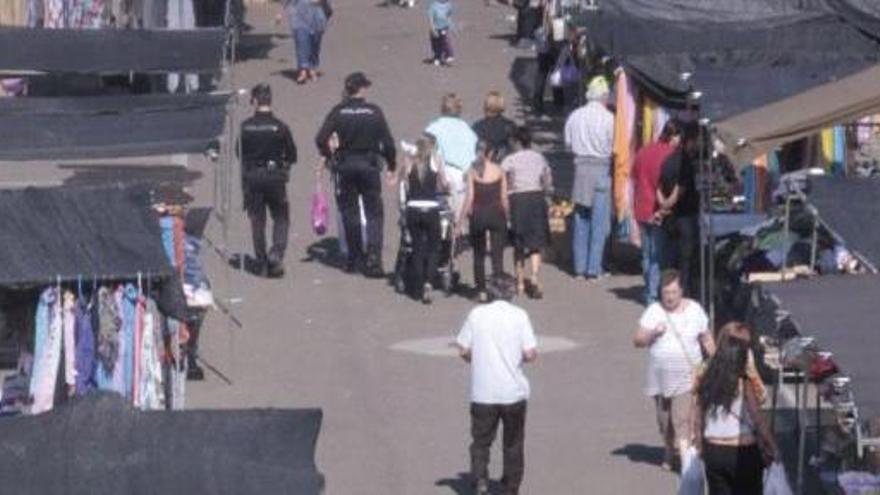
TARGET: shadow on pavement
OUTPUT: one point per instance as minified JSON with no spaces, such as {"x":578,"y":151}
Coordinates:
{"x":257,"y":46}
{"x":462,"y":485}
{"x":636,"y":293}
{"x":325,"y":251}
{"x":640,"y":454}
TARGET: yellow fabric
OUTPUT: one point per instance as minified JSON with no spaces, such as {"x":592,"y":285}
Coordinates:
{"x":648,"y":110}
{"x":827,"y":146}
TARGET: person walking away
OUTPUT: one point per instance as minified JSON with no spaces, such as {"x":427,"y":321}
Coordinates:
{"x":267,"y":153}
{"x":680,"y":203}
{"x":486,"y":204}
{"x":496,"y":339}
{"x":494,"y":127}
{"x":646,"y":179}
{"x":308,"y":20}
{"x":364,"y":139}
{"x":729,"y":424}
{"x":530,"y":181}
{"x":424,"y":182}
{"x":440,"y":19}
{"x":589,"y":134}
{"x":676,"y":333}
{"x":457,"y":144}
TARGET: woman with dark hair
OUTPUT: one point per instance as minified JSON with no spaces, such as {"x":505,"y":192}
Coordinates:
{"x":487,"y":206}
{"x":729,"y":425}
{"x":530,"y":180}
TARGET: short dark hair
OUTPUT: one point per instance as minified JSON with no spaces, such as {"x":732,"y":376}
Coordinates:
{"x":669,"y":277}
{"x":523,"y":136}
{"x":671,"y":129}
{"x":261,"y":94}
{"x":501,"y":287}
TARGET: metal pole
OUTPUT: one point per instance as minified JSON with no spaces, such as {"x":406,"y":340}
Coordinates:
{"x":785,"y":238}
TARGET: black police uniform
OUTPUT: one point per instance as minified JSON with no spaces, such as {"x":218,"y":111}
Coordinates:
{"x":268,"y":151}
{"x":364,"y":138}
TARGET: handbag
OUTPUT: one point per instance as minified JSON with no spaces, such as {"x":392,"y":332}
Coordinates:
{"x":320,"y":210}
{"x":693,"y":473}
{"x":775,"y":480}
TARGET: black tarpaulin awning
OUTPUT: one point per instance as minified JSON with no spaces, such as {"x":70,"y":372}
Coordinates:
{"x":109,"y":126}
{"x":850,"y":208}
{"x":98,"y":445}
{"x":841,"y":312}
{"x":70,"y":232}
{"x":110,"y":50}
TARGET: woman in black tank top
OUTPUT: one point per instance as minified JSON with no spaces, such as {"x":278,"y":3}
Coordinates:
{"x":486,"y":204}
{"x":424,"y":183}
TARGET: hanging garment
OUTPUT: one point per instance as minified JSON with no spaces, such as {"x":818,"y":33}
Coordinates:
{"x":86,"y":14}
{"x":112,"y":377}
{"x":47,"y":351}
{"x":138,"y":350}
{"x":127,"y":338}
{"x":182,"y":16}
{"x":35,"y":13}
{"x":827,"y":146}
{"x":661,"y":117}
{"x":55,"y":12}
{"x":151,"y":391}
{"x":624,"y":127}
{"x":649,"y":109}
{"x":85,"y":347}
{"x":109,"y":323}
{"x":838,"y":163}
{"x":69,"y":330}
{"x":13,"y":13}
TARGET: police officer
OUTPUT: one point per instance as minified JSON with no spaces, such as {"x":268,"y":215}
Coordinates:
{"x":267,"y":152}
{"x":364,"y":139}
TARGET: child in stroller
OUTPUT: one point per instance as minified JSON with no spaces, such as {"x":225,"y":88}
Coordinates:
{"x":426,"y":223}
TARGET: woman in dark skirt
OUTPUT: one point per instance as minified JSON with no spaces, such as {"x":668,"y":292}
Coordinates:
{"x":530,"y":180}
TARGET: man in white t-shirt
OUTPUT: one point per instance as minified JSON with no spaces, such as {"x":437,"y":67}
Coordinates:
{"x":676,"y":333}
{"x":497,"y":338}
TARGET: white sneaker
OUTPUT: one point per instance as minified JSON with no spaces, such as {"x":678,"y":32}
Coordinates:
{"x":436,"y":62}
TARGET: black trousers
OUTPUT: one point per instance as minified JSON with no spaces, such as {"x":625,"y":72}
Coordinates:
{"x":733,"y":470}
{"x":424,"y":227}
{"x":493,"y":222}
{"x":440,"y":45}
{"x":546,"y":64}
{"x":271,"y":196}
{"x":484,"y":424}
{"x":360,"y":177}
{"x":687,"y":253}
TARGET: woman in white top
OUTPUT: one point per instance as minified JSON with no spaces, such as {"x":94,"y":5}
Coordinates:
{"x":729,"y":423}
{"x":676,"y":333}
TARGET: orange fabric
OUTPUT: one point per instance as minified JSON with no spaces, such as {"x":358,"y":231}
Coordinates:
{"x":624,"y":153}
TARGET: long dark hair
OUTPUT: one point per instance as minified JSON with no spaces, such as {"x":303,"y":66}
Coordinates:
{"x":479,"y":164}
{"x":719,"y":386}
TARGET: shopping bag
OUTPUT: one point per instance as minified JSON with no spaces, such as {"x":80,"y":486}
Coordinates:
{"x":693,"y":476}
{"x":319,"y":211}
{"x":775,"y":480}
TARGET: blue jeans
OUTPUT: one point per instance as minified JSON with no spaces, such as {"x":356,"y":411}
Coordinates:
{"x":308,"y":48}
{"x":591,"y":228}
{"x":653,"y":250}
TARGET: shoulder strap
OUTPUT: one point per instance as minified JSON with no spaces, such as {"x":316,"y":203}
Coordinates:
{"x":678,"y":338}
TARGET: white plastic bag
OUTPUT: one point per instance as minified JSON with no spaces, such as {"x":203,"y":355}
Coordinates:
{"x":775,"y":480}
{"x":693,"y":475}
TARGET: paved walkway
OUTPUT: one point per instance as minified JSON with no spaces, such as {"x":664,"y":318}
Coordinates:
{"x":394,"y":397}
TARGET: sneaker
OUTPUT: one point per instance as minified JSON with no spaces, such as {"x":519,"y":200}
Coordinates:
{"x":482,"y":487}
{"x":426,"y":294}
{"x":449,"y":60}
{"x":436,"y":62}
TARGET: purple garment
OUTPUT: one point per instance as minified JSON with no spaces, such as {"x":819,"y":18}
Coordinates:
{"x":85,"y":348}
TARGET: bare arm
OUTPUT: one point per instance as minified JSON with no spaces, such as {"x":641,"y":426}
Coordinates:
{"x":468,"y":199}
{"x":505,"y":201}
{"x":530,"y":355}
{"x":708,"y":343}
{"x":758,"y":420}
{"x":668,"y":202}
{"x":645,"y":337}
{"x":464,"y":353}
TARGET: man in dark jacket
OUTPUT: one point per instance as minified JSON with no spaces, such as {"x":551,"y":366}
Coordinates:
{"x":267,"y":153}
{"x":364,"y":140}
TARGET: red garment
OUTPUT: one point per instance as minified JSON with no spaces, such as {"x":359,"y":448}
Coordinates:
{"x":646,"y":176}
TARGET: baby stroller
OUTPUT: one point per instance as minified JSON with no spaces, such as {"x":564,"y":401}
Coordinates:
{"x":446,"y":277}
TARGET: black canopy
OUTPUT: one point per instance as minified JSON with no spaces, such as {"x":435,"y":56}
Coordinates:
{"x":841,"y":313}
{"x":110,"y":50}
{"x":78,"y":232}
{"x":850,"y":208}
{"x":109,"y":126}
{"x":100,"y":446}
